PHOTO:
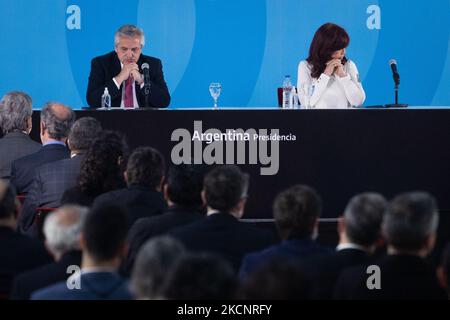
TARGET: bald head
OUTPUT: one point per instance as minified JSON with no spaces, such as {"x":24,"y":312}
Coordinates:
{"x":56,"y":121}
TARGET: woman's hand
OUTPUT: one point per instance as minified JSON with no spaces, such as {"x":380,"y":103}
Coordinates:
{"x":331,"y":66}
{"x":339,"y":71}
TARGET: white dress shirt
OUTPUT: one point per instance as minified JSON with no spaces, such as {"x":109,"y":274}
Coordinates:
{"x":331,"y":92}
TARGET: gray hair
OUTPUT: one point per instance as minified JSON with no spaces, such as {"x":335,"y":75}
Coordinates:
{"x":62,"y":228}
{"x":83,"y":132}
{"x":363,"y":217}
{"x":57,"y":127}
{"x":410,"y":219}
{"x":15,"y":110}
{"x":155,"y":259}
{"x":129,"y":31}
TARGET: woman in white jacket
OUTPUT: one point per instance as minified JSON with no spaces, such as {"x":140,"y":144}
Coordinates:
{"x":327,"y":79}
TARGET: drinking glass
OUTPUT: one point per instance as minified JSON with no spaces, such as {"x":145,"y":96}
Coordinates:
{"x":215,"y":89}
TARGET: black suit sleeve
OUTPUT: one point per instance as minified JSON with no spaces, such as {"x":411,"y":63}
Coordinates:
{"x":99,"y":80}
{"x":159,"y":94}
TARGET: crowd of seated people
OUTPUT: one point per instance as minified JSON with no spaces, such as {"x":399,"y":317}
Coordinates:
{"x":119,"y":227}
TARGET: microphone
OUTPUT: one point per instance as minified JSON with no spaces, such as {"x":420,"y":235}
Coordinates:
{"x":146,"y":70}
{"x":396,"y":76}
{"x":393,"y":64}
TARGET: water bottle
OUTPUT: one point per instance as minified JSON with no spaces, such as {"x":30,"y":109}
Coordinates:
{"x":106,"y":99}
{"x":288,"y":97}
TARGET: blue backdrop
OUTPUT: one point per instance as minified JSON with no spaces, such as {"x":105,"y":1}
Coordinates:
{"x":247,"y":45}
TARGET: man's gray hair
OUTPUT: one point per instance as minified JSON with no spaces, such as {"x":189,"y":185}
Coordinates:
{"x":57,"y":127}
{"x":129,"y":31}
{"x":15,"y":110}
{"x":410,"y":218}
{"x":83,"y":132}
{"x":62,"y":228}
{"x":363,"y":217}
{"x":155,"y":259}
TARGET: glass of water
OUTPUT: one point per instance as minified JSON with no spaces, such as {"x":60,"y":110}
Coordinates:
{"x":307,"y":91}
{"x":215,"y":89}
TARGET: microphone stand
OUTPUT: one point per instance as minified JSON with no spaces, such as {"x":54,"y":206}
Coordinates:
{"x":396,"y":104}
{"x":147,"y":94}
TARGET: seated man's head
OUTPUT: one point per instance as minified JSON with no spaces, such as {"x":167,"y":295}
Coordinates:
{"x":56,"y":121}
{"x":184,"y":185}
{"x":129,"y":41}
{"x":103,"y":237}
{"x":156,"y":257}
{"x":362,"y":220}
{"x":410,"y":223}
{"x":15,"y":113}
{"x":9,"y":206}
{"x":145,"y":167}
{"x":296,"y":212}
{"x":225,"y":189}
{"x":62,"y":230}
{"x":83,"y":132}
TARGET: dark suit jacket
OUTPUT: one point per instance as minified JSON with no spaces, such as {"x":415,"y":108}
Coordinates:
{"x":28,"y":282}
{"x":105,"y":68}
{"x":223,"y":234}
{"x":49,"y":183}
{"x":18,"y":253}
{"x":147,"y":228}
{"x":323,"y":270}
{"x":402,"y":277}
{"x":13,"y":146}
{"x":23,"y":169}
{"x":139,"y":201}
{"x":288,"y":251}
{"x":94,"y":286}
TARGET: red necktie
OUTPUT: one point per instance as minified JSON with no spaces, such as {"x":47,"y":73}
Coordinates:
{"x":129,"y":93}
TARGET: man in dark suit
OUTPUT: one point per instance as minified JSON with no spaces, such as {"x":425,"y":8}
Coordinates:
{"x":15,"y":122}
{"x":18,"y":253}
{"x":224,"y":192}
{"x":118,"y":71}
{"x":296,"y":213}
{"x":182,"y":192}
{"x":144,"y":176}
{"x":409,"y":225}
{"x":52,"y":179}
{"x":56,"y":121}
{"x":62,"y":231}
{"x":103,"y":245}
{"x":359,"y":232}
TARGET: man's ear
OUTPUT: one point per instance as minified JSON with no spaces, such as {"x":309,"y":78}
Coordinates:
{"x":125,"y":176}
{"x":203,"y":194}
{"x":341,"y":225}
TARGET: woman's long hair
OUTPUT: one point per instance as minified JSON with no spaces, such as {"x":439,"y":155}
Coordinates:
{"x":328,"y":39}
{"x":102,"y":168}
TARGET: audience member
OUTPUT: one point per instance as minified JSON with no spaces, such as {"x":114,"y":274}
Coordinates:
{"x":153,"y":262}
{"x":409,"y":226}
{"x":52,"y":179}
{"x":103,"y":246}
{"x":101,"y":170}
{"x":225,"y":193}
{"x":276,"y":280}
{"x":182,"y":192}
{"x":18,"y":253}
{"x":296,"y":212}
{"x":200,"y":276}
{"x":359,"y":231}
{"x":15,"y":122}
{"x":62,"y":233}
{"x":144,"y":177}
{"x":56,"y":121}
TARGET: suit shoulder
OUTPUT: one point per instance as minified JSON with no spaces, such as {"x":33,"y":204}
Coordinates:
{"x":105,"y":57}
{"x":151,"y":60}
